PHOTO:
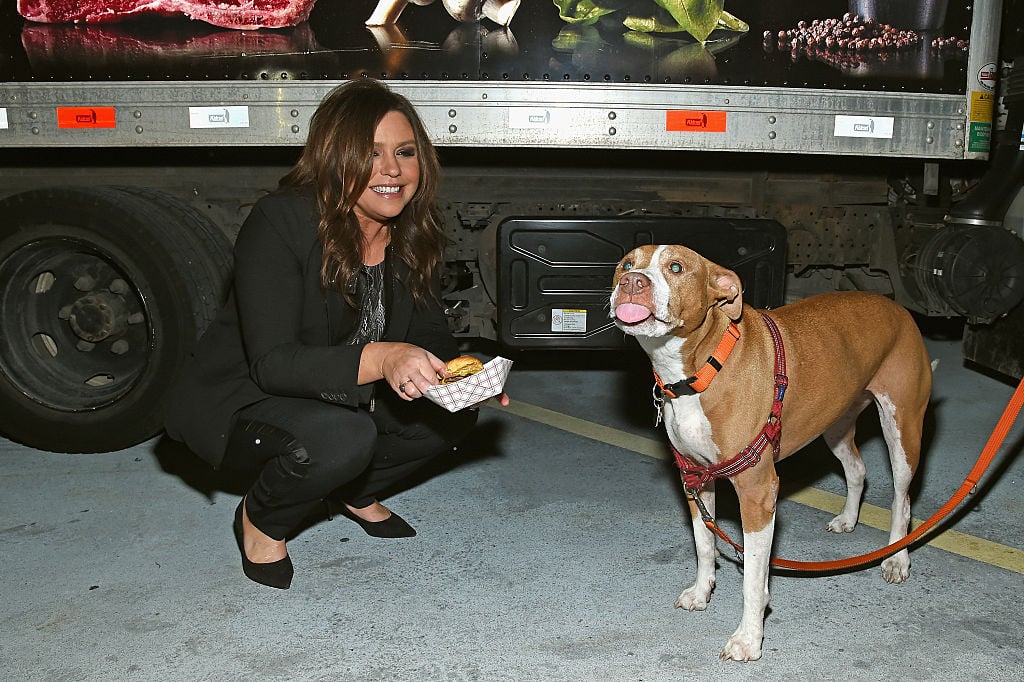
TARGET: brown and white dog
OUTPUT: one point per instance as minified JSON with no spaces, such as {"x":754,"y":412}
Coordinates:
{"x":843,"y":350}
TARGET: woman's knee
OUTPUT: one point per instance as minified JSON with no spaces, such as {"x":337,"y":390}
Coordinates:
{"x":427,"y":439}
{"x":453,"y":427}
{"x":464,"y":424}
{"x":308,"y":438}
{"x":339,"y":453}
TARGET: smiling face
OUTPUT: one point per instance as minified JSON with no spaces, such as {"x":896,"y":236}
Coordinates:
{"x":395,"y":175}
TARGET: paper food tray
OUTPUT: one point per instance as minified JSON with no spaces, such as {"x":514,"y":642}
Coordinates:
{"x":485,"y":384}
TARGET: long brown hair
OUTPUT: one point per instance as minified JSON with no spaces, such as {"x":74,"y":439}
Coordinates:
{"x":337,"y":161}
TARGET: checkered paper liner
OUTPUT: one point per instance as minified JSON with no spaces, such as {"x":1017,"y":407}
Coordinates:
{"x":485,"y":384}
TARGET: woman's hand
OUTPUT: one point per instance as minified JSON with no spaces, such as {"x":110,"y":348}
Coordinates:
{"x":408,"y":369}
{"x":502,"y":399}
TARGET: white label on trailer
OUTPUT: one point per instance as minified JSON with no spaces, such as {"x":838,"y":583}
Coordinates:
{"x":864,"y":126}
{"x":535,"y":117}
{"x":568,"y":320}
{"x":987,"y":76}
{"x":218,"y":117}
{"x":3,"y":118}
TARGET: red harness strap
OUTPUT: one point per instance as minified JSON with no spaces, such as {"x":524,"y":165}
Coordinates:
{"x":696,"y":476}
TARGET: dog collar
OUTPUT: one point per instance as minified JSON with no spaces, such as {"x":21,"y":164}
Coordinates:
{"x":702,"y":378}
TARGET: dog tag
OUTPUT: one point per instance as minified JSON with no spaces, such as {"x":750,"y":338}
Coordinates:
{"x":659,"y":403}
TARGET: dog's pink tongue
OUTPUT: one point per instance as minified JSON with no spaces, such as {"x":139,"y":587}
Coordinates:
{"x":631,"y":312}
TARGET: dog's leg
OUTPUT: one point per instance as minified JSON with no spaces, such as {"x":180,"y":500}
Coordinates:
{"x":697,"y":596}
{"x":902,"y":434}
{"x":757,"y":510}
{"x":839,"y":438}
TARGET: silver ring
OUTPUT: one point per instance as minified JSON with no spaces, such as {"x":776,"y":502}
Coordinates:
{"x":401,"y":386}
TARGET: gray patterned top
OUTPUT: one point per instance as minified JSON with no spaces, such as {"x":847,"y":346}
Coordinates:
{"x":372,"y":313}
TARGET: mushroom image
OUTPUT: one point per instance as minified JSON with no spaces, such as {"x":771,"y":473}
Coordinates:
{"x":498,"y":11}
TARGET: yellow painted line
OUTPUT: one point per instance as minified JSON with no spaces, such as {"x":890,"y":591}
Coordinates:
{"x":955,"y":542}
{"x":582,"y":427}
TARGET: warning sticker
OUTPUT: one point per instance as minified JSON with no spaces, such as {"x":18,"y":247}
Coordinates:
{"x":981,"y":106}
{"x":568,"y":320}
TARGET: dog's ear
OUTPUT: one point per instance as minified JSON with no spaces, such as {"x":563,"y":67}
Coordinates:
{"x":726,"y":290}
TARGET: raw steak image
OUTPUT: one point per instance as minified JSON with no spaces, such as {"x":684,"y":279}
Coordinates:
{"x":236,"y":14}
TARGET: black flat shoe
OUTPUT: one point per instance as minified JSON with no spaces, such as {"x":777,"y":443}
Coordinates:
{"x":393,"y":526}
{"x":275,"y":574}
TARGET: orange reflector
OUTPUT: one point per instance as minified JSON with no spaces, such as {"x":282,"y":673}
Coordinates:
{"x":86,"y":117}
{"x":695,"y":121}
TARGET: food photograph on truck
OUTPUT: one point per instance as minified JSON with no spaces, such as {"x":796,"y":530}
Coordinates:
{"x":743,"y":43}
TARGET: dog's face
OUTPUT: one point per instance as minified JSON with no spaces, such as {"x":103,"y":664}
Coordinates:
{"x":668,"y":289}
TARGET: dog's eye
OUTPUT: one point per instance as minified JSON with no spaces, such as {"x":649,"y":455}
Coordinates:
{"x":627,"y":265}
{"x":675,"y":267}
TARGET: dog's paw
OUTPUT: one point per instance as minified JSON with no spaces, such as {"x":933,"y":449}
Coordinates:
{"x":841,"y":524}
{"x":694,"y":598}
{"x":740,"y":648}
{"x":896,"y":568}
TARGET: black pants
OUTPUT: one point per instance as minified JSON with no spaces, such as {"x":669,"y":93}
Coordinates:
{"x":299,"y":451}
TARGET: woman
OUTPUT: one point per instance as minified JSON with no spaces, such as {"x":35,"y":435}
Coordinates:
{"x":309,"y":381}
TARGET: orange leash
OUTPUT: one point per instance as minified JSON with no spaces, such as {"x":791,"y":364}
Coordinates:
{"x":995,"y":441}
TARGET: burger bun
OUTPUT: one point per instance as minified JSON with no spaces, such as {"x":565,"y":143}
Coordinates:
{"x":460,"y":368}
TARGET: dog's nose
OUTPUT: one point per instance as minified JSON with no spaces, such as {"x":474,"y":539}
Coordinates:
{"x":633,"y":282}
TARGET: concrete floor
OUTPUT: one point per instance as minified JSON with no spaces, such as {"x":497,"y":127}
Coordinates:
{"x":551,"y":548}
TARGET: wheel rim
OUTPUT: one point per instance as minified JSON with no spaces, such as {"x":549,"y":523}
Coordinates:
{"x":77,"y":332}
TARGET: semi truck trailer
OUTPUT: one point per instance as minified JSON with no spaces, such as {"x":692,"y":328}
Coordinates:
{"x":809,"y":146}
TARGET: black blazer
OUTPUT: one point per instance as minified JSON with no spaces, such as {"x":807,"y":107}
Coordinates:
{"x":281,"y":334}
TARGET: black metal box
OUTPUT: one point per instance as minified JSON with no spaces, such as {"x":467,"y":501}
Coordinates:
{"x":555,"y":274}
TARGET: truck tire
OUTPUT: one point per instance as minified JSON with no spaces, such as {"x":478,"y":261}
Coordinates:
{"x":103,"y":292}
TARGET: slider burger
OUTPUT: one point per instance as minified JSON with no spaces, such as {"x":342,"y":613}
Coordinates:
{"x":460,"y":368}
